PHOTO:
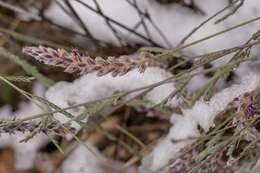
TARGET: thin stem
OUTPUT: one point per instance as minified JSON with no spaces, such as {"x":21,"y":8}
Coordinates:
{"x":204,"y":22}
{"x":82,"y":24}
{"x":117,"y":23}
{"x":168,"y":53}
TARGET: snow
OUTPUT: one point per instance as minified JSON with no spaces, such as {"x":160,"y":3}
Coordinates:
{"x":249,"y":167}
{"x":82,"y":160}
{"x":28,"y":149}
{"x":86,"y":159}
{"x":169,"y":18}
{"x":197,"y":82}
{"x":90,"y":87}
{"x":176,"y":22}
{"x":175,"y":29}
{"x":161,"y":154}
{"x":26,"y":152}
{"x":203,"y":113}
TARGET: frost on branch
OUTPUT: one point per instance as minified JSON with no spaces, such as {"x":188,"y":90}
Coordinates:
{"x":74,"y":62}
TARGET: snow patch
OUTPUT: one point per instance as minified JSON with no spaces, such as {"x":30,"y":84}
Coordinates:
{"x":91,"y":87}
{"x":25,"y":152}
{"x":203,"y":113}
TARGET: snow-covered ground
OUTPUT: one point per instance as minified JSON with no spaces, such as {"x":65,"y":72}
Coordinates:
{"x":176,"y":22}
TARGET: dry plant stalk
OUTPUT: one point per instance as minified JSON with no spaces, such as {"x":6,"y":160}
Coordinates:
{"x":52,"y":128}
{"x":75,"y":62}
{"x":213,"y":164}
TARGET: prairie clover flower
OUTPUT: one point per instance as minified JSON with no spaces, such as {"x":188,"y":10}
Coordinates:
{"x":250,"y":110}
